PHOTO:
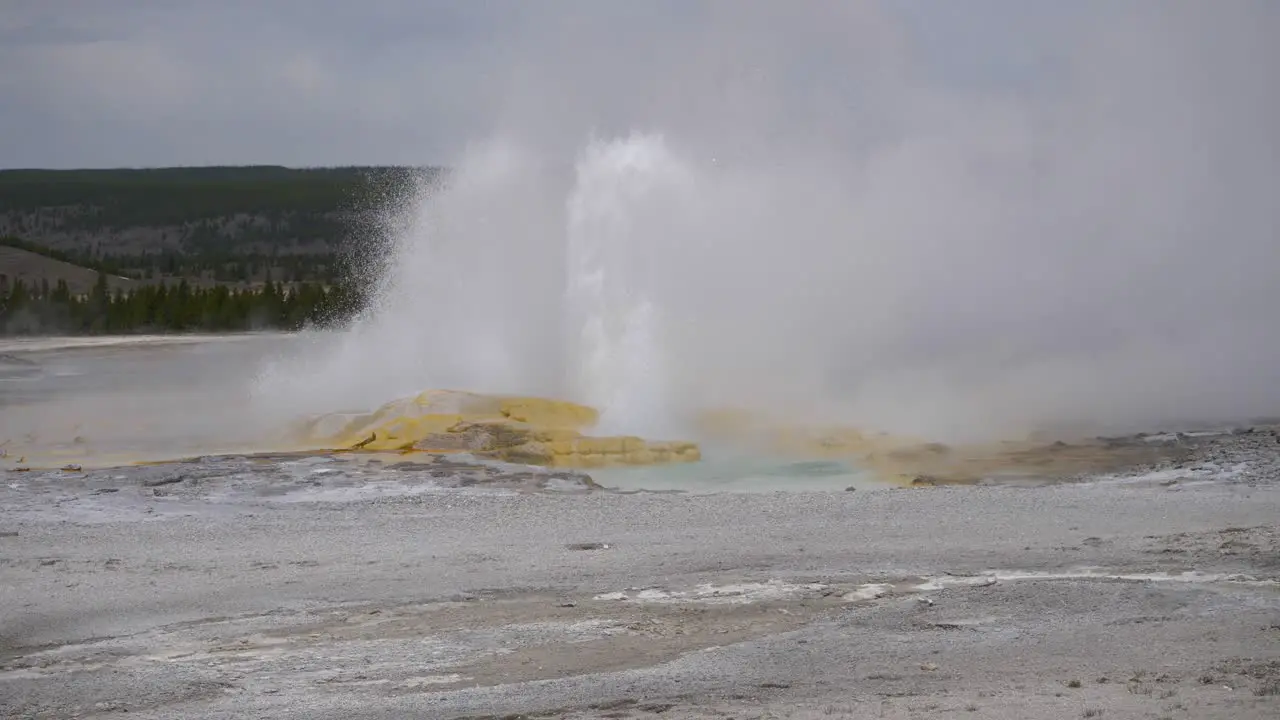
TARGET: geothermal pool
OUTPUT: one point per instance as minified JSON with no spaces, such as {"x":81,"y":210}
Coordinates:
{"x":726,"y":470}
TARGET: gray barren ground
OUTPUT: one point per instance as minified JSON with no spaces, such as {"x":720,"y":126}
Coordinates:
{"x":325,"y":588}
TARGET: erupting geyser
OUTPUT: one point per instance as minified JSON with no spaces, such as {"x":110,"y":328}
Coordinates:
{"x":490,"y":291}
{"x":494,"y":324}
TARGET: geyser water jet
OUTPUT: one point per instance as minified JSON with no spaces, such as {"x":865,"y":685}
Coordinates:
{"x":617,"y":257}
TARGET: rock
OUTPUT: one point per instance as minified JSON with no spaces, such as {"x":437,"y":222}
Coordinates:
{"x":482,"y":437}
{"x":528,"y":430}
{"x":545,"y":413}
{"x":594,"y":452}
{"x":399,"y":424}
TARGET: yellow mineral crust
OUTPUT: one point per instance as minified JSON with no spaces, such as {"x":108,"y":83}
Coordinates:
{"x":521,"y":429}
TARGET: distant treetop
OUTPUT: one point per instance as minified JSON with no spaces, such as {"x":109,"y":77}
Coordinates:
{"x":166,"y":196}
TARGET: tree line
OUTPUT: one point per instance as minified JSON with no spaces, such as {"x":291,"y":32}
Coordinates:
{"x":182,"y":307}
{"x":216,"y":265}
{"x":212,"y":248}
{"x":120,"y":198}
{"x":206,"y":212}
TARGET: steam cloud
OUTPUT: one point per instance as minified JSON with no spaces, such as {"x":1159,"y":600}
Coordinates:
{"x":814,"y":221}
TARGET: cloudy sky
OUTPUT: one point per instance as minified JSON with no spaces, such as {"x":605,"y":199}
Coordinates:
{"x":89,"y":83}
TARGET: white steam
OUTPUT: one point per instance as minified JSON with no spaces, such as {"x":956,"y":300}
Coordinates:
{"x":785,"y":210}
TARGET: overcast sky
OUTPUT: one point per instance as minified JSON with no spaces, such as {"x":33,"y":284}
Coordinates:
{"x":101,"y":83}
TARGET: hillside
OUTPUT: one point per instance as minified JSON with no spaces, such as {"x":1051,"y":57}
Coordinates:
{"x":33,"y":269}
{"x":186,"y":249}
{"x":224,"y":223}
{"x":42,"y":295}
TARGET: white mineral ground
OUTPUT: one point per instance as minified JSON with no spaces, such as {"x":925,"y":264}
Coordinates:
{"x":346,"y":586}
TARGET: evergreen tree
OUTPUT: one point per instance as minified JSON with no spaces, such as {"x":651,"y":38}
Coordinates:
{"x":173,"y":308}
